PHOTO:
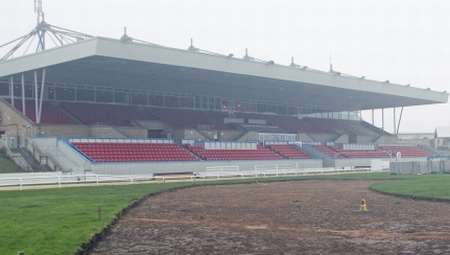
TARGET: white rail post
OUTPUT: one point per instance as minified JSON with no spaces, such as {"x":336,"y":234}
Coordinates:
{"x":96,"y":179}
{"x":278,"y":170}
{"x":59,"y":181}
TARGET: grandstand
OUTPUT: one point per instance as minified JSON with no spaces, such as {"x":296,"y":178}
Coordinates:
{"x":111,"y":104}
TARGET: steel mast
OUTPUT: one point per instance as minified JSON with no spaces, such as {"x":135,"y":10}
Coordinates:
{"x":42,"y":37}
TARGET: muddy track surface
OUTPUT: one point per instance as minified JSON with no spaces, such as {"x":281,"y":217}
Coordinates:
{"x":309,"y":217}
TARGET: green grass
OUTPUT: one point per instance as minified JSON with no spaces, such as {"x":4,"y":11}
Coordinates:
{"x":427,"y":186}
{"x":7,"y":165}
{"x":58,"y":221}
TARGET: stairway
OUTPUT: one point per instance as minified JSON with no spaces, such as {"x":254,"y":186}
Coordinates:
{"x":314,"y":153}
{"x":60,"y":155}
{"x":19,"y":160}
{"x":70,"y":115}
{"x":35,"y":165}
{"x":276,"y":152}
{"x":187,"y":147}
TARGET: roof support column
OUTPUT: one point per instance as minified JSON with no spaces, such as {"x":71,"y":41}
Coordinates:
{"x":394,"y":126}
{"x":11,"y":90}
{"x":76,"y":94}
{"x":382,"y":119}
{"x":24,"y":111}
{"x":44,"y":72}
{"x":373,"y":117}
{"x":399,"y":120}
{"x":36,"y":91}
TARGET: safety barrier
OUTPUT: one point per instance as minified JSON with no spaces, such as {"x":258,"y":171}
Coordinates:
{"x":259,"y":171}
{"x":58,"y":179}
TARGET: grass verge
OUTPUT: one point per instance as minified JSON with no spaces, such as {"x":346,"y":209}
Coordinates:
{"x":58,"y":221}
{"x":7,"y":165}
{"x":427,"y":187}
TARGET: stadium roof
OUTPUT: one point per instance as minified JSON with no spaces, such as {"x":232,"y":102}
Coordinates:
{"x":114,"y":63}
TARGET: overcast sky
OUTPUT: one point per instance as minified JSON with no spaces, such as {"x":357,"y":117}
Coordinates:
{"x":404,"y":41}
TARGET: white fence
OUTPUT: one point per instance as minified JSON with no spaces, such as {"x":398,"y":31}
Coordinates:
{"x":218,"y":172}
{"x":271,"y":171}
{"x":60,"y":179}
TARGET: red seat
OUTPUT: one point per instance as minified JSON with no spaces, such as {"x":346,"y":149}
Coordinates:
{"x":405,"y":151}
{"x":260,"y":153}
{"x":289,"y":151}
{"x":126,"y":152}
{"x":51,"y":113}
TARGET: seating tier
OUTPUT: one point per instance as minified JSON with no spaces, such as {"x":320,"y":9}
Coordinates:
{"x":405,"y":151}
{"x":260,"y":153}
{"x":126,"y":152}
{"x":289,"y":151}
{"x":380,"y":152}
{"x":329,"y":151}
{"x":363,"y":153}
{"x":52,"y":113}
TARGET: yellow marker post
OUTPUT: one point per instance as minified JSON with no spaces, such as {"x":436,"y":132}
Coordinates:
{"x":363,"y":205}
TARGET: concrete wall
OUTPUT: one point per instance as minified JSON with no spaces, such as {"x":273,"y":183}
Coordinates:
{"x":363,"y":161}
{"x":250,"y":136}
{"x":387,"y":139}
{"x":304,"y":137}
{"x":317,"y":137}
{"x":342,"y":139}
{"x":364,"y":139}
{"x":65,"y":130}
{"x":231,"y":135}
{"x":192,"y":134}
{"x":61,"y":154}
{"x":196,"y":166}
{"x":97,"y":131}
{"x":209,"y":134}
{"x":133,"y":132}
{"x":105,"y":132}
{"x":152,"y":124}
{"x":15,"y":124}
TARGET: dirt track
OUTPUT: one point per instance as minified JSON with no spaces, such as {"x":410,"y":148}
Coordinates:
{"x":309,"y":217}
